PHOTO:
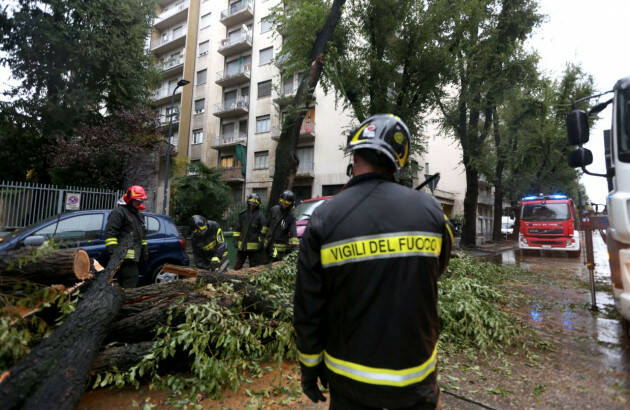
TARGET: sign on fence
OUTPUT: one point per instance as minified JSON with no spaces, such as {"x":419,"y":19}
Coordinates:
{"x":73,"y":201}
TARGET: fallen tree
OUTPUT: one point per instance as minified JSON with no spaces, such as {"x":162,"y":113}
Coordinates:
{"x":44,"y":266}
{"x":57,"y":370}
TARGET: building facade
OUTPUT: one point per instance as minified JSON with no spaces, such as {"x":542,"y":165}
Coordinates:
{"x":229,"y":117}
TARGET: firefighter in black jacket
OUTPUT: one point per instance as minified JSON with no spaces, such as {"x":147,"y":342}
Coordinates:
{"x":249,"y":237}
{"x":281,"y":235}
{"x":126,"y":220}
{"x":208,"y":244}
{"x":365,"y":308}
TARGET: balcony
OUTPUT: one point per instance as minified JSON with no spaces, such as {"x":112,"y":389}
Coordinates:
{"x":236,"y":44}
{"x":231,"y":174}
{"x":172,"y":15}
{"x":238,"y":13}
{"x":229,"y":79}
{"x":163,"y":95}
{"x":163,"y":119}
{"x":225,"y":141}
{"x":307,"y":132}
{"x":305,"y":170}
{"x":485,"y":199}
{"x":232,"y":109}
{"x":172,"y":66}
{"x":164,"y":45}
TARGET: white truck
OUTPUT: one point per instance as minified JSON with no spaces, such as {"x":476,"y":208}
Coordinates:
{"x":617,"y":146}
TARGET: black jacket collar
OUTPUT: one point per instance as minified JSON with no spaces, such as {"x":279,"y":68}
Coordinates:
{"x":368,"y":177}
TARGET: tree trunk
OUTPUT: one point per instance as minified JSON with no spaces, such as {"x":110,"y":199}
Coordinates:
{"x":469,"y":230}
{"x":120,"y":357}
{"x":56,"y":371}
{"x":286,"y":158}
{"x":497,"y":223}
{"x":63,"y":266}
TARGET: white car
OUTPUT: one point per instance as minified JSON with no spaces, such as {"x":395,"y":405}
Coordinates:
{"x":507,"y":225}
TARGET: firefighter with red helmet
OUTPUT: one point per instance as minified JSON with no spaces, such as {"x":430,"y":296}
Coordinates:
{"x":126,"y":220}
{"x":281,"y":235}
{"x":365,"y":307}
{"x":249,"y":237}
{"x":208,"y":244}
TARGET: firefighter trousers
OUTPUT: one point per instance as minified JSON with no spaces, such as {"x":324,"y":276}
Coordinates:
{"x":339,"y":401}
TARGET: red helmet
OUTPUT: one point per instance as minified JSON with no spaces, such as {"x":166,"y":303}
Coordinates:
{"x":135,"y":192}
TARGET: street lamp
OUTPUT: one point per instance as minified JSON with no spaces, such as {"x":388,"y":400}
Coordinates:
{"x":180,"y":83}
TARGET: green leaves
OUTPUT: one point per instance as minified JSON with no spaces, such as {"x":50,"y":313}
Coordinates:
{"x":471,"y":307}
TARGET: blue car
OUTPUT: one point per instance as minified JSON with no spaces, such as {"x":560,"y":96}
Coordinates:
{"x":86,"y":230}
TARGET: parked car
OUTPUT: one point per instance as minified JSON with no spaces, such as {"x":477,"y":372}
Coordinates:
{"x":86,"y":229}
{"x":304,"y":211}
{"x":507,"y":225}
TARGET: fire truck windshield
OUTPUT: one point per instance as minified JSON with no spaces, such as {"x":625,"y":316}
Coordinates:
{"x":545,"y":212}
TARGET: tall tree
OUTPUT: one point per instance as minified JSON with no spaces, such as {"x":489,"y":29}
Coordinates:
{"x":483,"y":36}
{"x":75,"y":60}
{"x":286,"y":157}
{"x":385,"y":56}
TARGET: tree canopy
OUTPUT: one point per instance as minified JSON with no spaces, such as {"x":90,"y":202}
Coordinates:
{"x":77,"y":62}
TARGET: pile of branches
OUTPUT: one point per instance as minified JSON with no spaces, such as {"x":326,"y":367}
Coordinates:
{"x":209,"y":327}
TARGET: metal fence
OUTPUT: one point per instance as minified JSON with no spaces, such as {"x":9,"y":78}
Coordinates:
{"x":24,"y":203}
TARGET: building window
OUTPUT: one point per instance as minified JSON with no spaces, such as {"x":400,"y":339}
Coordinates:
{"x":227,"y":161}
{"x":261,"y":160}
{"x":305,"y":155}
{"x":177,"y":32}
{"x":262,"y":123}
{"x":205,"y":21}
{"x":197,"y":136}
{"x":329,"y":190}
{"x":204,"y":47}
{"x":287,"y":85}
{"x":265,"y":24}
{"x":262,"y":193}
{"x":200,"y":105}
{"x":201,"y":76}
{"x":264,"y":89}
{"x":266,"y":55}
{"x":192,"y":167}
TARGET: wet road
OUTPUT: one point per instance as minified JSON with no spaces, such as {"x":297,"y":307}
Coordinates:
{"x":560,"y":307}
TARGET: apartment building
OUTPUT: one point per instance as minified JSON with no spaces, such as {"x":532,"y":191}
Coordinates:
{"x":229,"y":116}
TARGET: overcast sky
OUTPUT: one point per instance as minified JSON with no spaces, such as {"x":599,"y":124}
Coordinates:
{"x":591,"y":33}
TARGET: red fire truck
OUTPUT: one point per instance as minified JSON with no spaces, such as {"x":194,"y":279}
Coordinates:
{"x":549,"y":222}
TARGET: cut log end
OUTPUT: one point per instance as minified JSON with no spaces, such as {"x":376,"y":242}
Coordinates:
{"x":82,"y":265}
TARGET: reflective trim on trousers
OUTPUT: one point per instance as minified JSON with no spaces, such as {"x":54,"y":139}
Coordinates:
{"x":310,"y":360}
{"x":383,"y":377}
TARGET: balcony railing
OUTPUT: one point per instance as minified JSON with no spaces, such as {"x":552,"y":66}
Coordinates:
{"x":237,"y":106}
{"x":231,"y":174}
{"x":161,"y":41}
{"x":229,"y":139}
{"x":237,"y":43}
{"x":238,"y":12}
{"x":171,"y":63}
{"x":164,"y":92}
{"x":228,"y":78}
{"x":171,"y":11}
{"x":164,"y":118}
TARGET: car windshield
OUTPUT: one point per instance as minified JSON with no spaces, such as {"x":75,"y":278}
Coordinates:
{"x":304,"y":210}
{"x":7,"y":236}
{"x":545,"y":212}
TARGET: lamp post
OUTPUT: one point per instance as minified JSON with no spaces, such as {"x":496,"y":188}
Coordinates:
{"x":180,"y":83}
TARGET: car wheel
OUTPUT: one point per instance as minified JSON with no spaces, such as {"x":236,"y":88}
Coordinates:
{"x":163,"y":277}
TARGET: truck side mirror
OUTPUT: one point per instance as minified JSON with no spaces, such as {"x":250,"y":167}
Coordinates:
{"x":577,"y":127}
{"x":580,"y":157}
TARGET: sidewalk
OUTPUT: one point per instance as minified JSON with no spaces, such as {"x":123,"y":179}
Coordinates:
{"x":488,"y":248}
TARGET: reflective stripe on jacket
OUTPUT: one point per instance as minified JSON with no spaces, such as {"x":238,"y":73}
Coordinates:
{"x":208,"y":245}
{"x":281,"y":230}
{"x":251,"y":230}
{"x":366,"y":291}
{"x":123,"y":221}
